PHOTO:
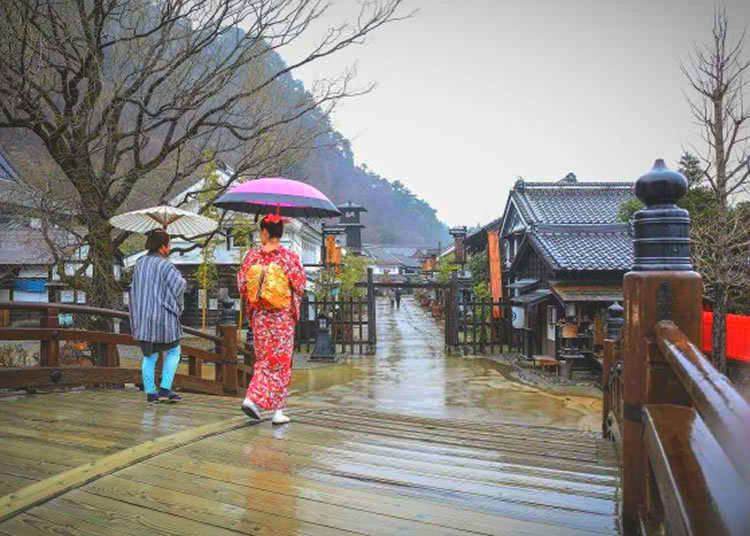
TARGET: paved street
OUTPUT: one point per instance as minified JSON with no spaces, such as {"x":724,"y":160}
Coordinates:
{"x":411,"y":374}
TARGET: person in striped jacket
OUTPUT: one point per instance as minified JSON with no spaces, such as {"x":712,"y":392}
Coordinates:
{"x":156,"y":305}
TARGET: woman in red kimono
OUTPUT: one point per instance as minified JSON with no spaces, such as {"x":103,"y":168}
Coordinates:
{"x":271,"y":282}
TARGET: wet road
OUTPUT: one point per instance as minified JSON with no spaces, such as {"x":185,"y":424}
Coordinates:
{"x":411,"y":374}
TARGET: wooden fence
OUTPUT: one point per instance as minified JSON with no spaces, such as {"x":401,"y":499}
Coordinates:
{"x":350,"y":325}
{"x":478,"y":326}
{"x":231,"y":376}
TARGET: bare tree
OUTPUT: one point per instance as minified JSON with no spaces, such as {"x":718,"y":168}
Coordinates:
{"x":125,"y":94}
{"x":717,"y":73}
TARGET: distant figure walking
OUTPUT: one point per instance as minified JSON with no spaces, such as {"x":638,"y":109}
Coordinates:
{"x":156,"y":304}
{"x":391,"y":296}
{"x":271,"y":282}
{"x":398,"y":298}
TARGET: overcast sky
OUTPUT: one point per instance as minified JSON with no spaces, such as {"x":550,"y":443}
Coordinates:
{"x":473,"y":94}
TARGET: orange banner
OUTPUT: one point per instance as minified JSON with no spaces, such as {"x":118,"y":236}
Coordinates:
{"x":496,"y":274}
{"x":330,"y":249}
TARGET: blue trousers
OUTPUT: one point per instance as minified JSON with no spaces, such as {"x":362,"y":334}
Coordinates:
{"x":148,"y":365}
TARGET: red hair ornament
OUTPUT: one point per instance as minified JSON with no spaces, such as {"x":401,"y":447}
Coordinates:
{"x":275,"y":218}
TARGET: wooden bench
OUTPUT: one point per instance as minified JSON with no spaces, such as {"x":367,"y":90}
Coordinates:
{"x":701,"y":491}
{"x":545,"y":361}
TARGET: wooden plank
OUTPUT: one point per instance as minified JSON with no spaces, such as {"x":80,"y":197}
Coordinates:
{"x":16,"y":378}
{"x":444,"y":466}
{"x":79,"y":510}
{"x":401,"y":507}
{"x":701,"y":490}
{"x":11,"y":483}
{"x":38,"y":450}
{"x":438,"y":484}
{"x":65,"y":334}
{"x":238,"y":513}
{"x":54,"y":486}
{"x":30,"y":469}
{"x":556,"y":451}
{"x":448,"y":458}
{"x":200,"y":354}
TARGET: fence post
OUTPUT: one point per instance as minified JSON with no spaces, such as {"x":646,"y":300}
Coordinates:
{"x":227,"y":330}
{"x":49,"y":351}
{"x":372,"y":337}
{"x":451,"y":313}
{"x":661,"y":285}
{"x":614,"y":329}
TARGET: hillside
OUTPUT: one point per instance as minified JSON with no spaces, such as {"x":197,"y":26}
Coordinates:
{"x":324,"y":159}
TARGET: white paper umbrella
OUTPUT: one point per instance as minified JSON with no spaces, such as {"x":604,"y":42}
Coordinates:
{"x":174,"y":220}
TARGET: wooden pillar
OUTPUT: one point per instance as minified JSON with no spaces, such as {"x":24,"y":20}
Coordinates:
{"x":661,"y":285}
{"x":227,"y":331}
{"x":49,"y":351}
{"x":372,"y":337}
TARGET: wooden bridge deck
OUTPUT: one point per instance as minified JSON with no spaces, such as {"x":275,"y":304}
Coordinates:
{"x":103,"y":462}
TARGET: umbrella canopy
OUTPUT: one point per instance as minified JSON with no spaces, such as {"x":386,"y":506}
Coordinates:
{"x":294,"y":199}
{"x":173,"y":220}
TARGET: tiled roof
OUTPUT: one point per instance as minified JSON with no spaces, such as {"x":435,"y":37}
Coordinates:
{"x":24,"y":246}
{"x":564,"y":202}
{"x":585,"y":248}
{"x":394,"y":255}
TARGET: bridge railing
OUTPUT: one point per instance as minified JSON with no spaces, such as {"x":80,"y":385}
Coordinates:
{"x":230,"y":376}
{"x":613,"y":389}
{"x":685,"y":430}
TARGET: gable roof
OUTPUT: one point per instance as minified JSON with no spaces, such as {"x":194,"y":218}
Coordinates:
{"x":584,"y":247}
{"x":566,"y":201}
{"x":570,"y":202}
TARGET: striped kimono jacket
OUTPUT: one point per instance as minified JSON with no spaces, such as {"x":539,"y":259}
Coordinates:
{"x":156,"y":302}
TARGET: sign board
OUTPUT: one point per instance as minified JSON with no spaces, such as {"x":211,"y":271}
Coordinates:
{"x":213,"y":303}
{"x":519,"y":316}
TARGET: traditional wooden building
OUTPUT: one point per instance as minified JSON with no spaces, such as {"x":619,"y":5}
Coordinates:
{"x":564,"y":255}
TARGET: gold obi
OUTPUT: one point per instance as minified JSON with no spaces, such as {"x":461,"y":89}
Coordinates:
{"x":268,"y":286}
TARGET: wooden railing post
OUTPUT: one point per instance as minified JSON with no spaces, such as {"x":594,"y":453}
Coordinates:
{"x":49,"y":351}
{"x":227,"y":330}
{"x":662,"y":285}
{"x":451,"y":314}
{"x":372,"y":337}
{"x":614,"y":329}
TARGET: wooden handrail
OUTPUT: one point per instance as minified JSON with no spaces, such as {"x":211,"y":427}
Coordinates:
{"x":722,"y":408}
{"x":85,"y":309}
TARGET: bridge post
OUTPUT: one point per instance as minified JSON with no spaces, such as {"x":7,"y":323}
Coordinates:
{"x":661,"y":285}
{"x":49,"y":351}
{"x":614,"y":329}
{"x":227,"y":330}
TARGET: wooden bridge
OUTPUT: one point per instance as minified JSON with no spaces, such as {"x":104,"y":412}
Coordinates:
{"x":672,"y":459}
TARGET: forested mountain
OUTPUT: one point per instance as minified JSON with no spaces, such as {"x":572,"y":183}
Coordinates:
{"x":321,"y":156}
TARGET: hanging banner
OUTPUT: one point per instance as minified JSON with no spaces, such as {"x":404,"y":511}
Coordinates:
{"x":496,"y":274}
{"x":330,"y":249}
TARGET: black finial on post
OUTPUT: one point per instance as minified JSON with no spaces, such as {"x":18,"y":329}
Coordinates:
{"x":615,"y":321}
{"x":662,"y":229}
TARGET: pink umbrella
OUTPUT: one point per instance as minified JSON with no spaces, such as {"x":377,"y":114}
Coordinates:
{"x":293,"y":198}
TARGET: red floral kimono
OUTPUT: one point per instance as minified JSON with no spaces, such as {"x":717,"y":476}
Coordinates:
{"x":273,"y":329}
